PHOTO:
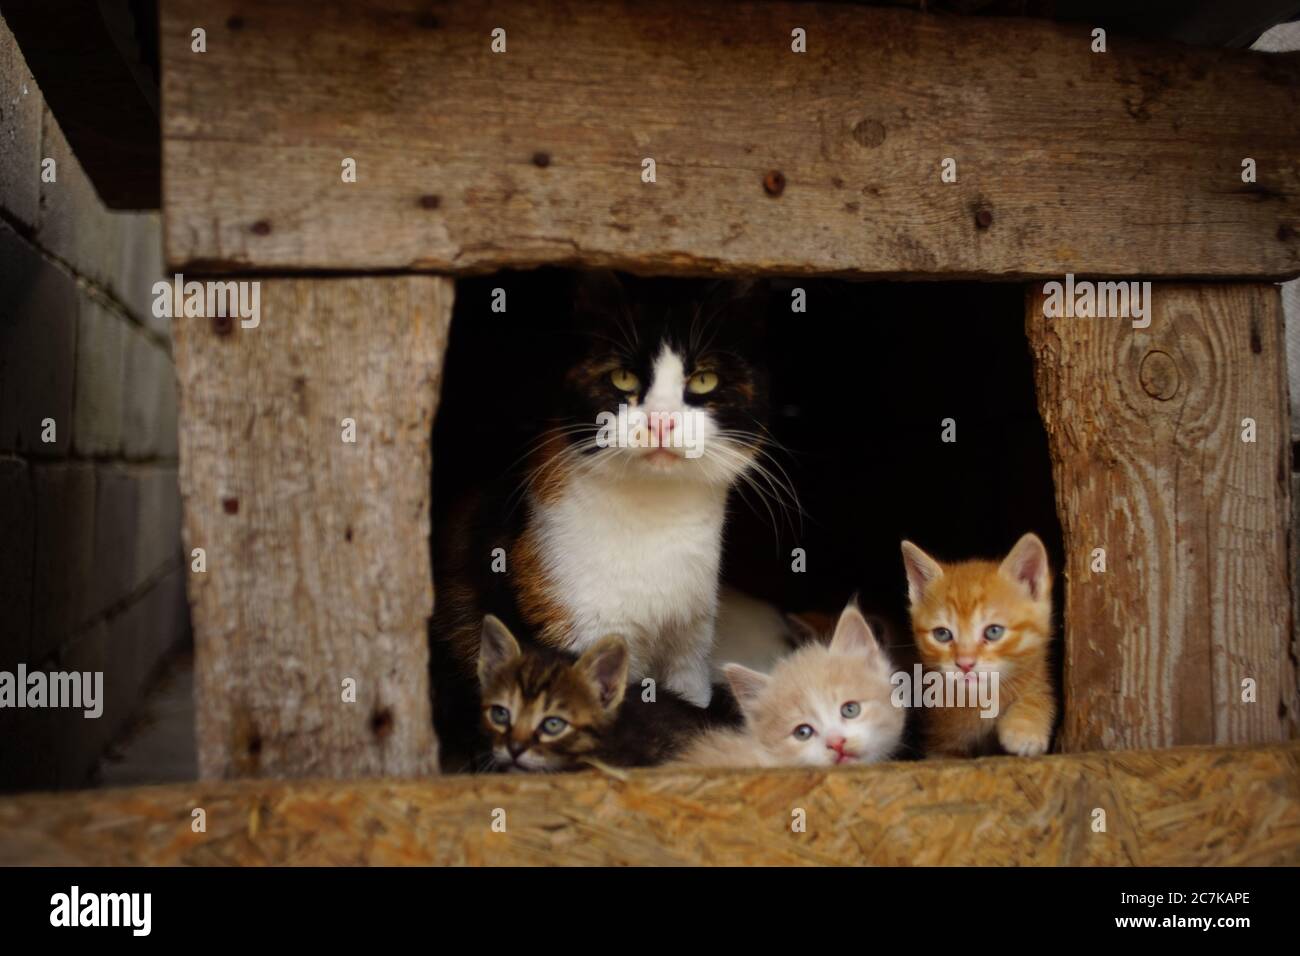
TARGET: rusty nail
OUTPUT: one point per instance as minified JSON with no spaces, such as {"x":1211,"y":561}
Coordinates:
{"x":230,"y":506}
{"x":222,"y":324}
{"x":235,"y":23}
{"x":261,"y":228}
{"x":984,"y":218}
{"x":430,"y":202}
{"x":541,"y":160}
{"x":774,"y":182}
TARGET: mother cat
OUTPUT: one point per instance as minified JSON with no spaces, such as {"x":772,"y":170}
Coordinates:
{"x":623,"y":536}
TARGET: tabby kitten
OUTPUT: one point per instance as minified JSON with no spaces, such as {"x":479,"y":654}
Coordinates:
{"x":609,"y":532}
{"x":821,"y":706}
{"x":980,"y":616}
{"x":543,"y":711}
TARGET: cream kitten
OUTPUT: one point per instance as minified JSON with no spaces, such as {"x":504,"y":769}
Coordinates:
{"x":822,"y":705}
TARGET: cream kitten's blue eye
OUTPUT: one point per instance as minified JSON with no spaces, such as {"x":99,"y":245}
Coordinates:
{"x":803,"y":732}
{"x":942,"y":635}
{"x":553,"y":725}
{"x":993,"y":632}
{"x":851,"y":709}
{"x":499,"y":715}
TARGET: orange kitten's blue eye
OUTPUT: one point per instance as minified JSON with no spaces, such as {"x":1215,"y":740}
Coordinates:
{"x":499,"y":715}
{"x":993,"y":632}
{"x":942,"y":635}
{"x":851,"y":709}
{"x":553,"y":725}
{"x":803,"y":732}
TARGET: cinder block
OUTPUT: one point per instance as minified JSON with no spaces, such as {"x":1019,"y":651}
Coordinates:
{"x":21,"y":107}
{"x":80,"y":740}
{"x":38,"y":342}
{"x":158,"y":532}
{"x":17,"y":530}
{"x":64,"y":498}
{"x":147,"y":368}
{"x":101,"y":373}
{"x":139,"y":265}
{"x":117,"y":494}
{"x":72,"y":223}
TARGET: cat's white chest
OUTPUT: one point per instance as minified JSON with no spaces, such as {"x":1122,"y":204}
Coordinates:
{"x":640,"y":562}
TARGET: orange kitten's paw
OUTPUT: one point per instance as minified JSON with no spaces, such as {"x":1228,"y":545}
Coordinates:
{"x":1023,"y":740}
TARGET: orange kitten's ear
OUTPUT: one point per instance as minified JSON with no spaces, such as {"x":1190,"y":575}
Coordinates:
{"x":922,"y":571}
{"x":745,"y":684}
{"x":853,"y":635}
{"x":1027,"y":565}
{"x":606,"y":663}
{"x":497,"y":646}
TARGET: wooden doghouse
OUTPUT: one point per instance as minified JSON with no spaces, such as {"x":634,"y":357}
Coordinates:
{"x":1122,"y":164}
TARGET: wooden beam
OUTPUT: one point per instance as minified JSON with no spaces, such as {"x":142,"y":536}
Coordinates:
{"x":1146,"y":434}
{"x":317,"y":549}
{"x":1123,"y":163}
{"x":90,"y":63}
{"x":1186,"y":807}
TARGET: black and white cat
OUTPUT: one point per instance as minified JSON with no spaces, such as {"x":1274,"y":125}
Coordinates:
{"x":659,"y":411}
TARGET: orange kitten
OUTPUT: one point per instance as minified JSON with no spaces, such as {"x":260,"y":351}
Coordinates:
{"x":975,"y":617}
{"x":821,"y":706}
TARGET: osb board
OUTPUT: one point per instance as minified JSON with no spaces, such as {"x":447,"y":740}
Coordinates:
{"x":1126,"y":162}
{"x":316,"y":547}
{"x":1145,"y":429}
{"x":1178,"y":807}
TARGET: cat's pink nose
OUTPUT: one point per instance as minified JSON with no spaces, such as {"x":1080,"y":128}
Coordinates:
{"x":663,"y":428}
{"x":836,"y":744}
{"x":966,"y":664}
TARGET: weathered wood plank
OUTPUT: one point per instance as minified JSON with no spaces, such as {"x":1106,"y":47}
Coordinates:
{"x":1146,"y":434}
{"x":1122,"y":163}
{"x":317,"y":549}
{"x":1180,"y":807}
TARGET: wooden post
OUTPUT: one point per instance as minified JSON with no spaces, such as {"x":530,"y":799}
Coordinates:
{"x":1147,"y":428}
{"x":316,"y":547}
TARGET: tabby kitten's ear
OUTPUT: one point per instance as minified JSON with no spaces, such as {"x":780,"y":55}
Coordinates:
{"x":1027,"y":566}
{"x":922,"y":571}
{"x":746,"y":684}
{"x":497,"y":647}
{"x":605,"y":663}
{"x":853,"y":635}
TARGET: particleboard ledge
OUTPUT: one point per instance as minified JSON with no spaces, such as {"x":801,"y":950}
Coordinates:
{"x":1185,"y":806}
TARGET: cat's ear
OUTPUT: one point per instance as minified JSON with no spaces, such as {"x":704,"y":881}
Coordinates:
{"x":606,"y":663}
{"x":497,"y":647}
{"x":745,"y":684}
{"x":1027,"y":566}
{"x":922,"y":571}
{"x":853,"y":635}
{"x":599,"y":293}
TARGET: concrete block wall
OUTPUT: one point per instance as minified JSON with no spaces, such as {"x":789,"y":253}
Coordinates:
{"x":91,"y":570}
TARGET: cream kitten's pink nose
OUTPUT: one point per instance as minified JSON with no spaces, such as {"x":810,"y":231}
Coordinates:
{"x":966,"y":664}
{"x":836,"y":744}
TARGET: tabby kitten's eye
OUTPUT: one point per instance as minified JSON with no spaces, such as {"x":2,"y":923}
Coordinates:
{"x":553,"y":725}
{"x":942,"y":635}
{"x":624,"y":380}
{"x":499,"y":715}
{"x":803,"y":732}
{"x":701,"y":383}
{"x":993,"y":632}
{"x":851,"y":709}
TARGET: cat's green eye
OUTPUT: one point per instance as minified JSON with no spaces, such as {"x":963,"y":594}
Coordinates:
{"x":553,"y":725}
{"x":499,"y":715}
{"x":803,"y":732}
{"x":624,"y":380}
{"x":993,"y":632}
{"x":851,"y":709}
{"x":942,"y":635}
{"x":701,"y":383}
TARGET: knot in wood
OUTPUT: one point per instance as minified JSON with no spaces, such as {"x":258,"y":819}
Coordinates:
{"x":1159,"y":375}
